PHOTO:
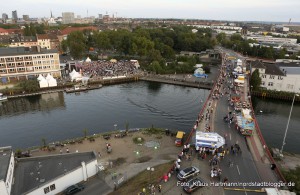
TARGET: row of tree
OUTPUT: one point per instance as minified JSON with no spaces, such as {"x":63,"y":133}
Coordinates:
{"x":158,"y":44}
{"x":33,"y":29}
{"x":237,"y":43}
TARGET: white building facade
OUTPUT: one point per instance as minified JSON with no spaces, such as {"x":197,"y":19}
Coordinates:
{"x":278,"y":77}
{"x":7,"y":179}
{"x":14,"y":67}
{"x":82,"y":173}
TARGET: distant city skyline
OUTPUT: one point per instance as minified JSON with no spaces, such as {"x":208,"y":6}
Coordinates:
{"x":234,"y":10}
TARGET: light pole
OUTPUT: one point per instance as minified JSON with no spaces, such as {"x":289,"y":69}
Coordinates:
{"x":150,"y":169}
{"x":287,"y":125}
{"x":115,"y":125}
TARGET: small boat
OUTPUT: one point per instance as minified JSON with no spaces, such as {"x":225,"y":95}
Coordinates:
{"x":94,"y":87}
{"x":76,"y":88}
{"x":2,"y":97}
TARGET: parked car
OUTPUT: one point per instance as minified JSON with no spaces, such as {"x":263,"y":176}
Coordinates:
{"x":179,"y":138}
{"x":73,"y":189}
{"x":194,"y":184}
{"x":187,"y":173}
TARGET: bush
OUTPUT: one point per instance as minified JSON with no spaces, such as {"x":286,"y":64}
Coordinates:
{"x":293,"y":176}
{"x":138,"y":140}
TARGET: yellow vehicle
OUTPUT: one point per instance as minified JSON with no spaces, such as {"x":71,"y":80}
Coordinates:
{"x":179,"y":138}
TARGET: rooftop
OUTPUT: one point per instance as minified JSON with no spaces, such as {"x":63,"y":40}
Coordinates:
{"x":258,"y":64}
{"x":273,"y":69}
{"x":17,"y":39}
{"x":12,"y":51}
{"x":68,"y":30}
{"x":288,"y":64}
{"x":5,"y":153}
{"x":32,"y":172}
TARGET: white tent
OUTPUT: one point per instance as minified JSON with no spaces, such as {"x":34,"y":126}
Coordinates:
{"x":40,"y":77}
{"x":88,"y":60}
{"x":239,"y":62}
{"x":72,"y":73}
{"x":75,"y":76}
{"x":43,"y":83}
{"x":51,"y":81}
{"x":238,"y":69}
{"x":247,"y":114}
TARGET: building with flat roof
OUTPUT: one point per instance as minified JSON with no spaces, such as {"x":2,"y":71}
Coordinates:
{"x":14,"y":15}
{"x":7,"y":164}
{"x":68,"y":17}
{"x":21,"y":63}
{"x":4,"y":17}
{"x":52,"y":174}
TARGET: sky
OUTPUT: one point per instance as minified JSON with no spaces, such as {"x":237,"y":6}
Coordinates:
{"x":235,"y":10}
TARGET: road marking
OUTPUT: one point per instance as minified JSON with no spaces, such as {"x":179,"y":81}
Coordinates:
{"x":238,"y":169}
{"x":245,"y":190}
{"x":230,"y":136}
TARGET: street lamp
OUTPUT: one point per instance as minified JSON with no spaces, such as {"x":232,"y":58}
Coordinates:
{"x":115,"y":125}
{"x":287,"y":126}
{"x":150,"y":169}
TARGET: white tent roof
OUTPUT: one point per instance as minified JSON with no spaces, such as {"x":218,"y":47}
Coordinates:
{"x":52,"y":82}
{"x":247,"y":114}
{"x":88,"y":60}
{"x":76,"y":76}
{"x":49,"y":77}
{"x":40,"y":77}
{"x":73,"y":72}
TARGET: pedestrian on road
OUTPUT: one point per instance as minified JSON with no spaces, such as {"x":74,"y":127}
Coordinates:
{"x":159,"y":188}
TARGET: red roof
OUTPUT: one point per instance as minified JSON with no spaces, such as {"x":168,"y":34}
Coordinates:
{"x":14,"y":31}
{"x":42,"y":36}
{"x":68,"y":30}
{"x":2,"y":30}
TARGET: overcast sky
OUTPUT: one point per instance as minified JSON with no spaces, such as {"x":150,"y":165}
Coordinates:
{"x":241,"y":10}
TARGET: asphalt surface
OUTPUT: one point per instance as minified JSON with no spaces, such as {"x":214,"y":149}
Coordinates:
{"x":244,"y":169}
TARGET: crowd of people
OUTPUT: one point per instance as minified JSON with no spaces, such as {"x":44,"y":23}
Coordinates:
{"x":103,"y":68}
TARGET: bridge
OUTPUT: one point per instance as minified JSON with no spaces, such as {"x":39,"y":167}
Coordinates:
{"x":253,"y":164}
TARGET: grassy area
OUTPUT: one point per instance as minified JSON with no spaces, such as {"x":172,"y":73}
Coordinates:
{"x":142,"y":180}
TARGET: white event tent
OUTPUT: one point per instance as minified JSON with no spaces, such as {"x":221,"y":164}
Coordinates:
{"x":51,"y":81}
{"x":42,"y":81}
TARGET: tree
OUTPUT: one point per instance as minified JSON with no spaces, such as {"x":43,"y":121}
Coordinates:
{"x":127,"y":127}
{"x":85,"y":132}
{"x":44,"y":142}
{"x":255,"y":81}
{"x":102,"y":41}
{"x":64,"y":46}
{"x":293,"y":176}
{"x":155,"y":67}
{"x":30,"y":86}
{"x":221,"y":37}
{"x":77,"y":44}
